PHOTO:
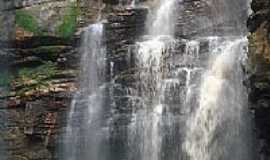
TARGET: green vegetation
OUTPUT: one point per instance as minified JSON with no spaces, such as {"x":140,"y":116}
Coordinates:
{"x":65,"y":29}
{"x":27,"y":21}
{"x":31,"y":80}
{"x":68,"y":26}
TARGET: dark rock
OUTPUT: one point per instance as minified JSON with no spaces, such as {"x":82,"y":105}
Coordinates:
{"x":259,"y":57}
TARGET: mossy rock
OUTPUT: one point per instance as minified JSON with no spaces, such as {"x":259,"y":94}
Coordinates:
{"x":44,"y":79}
{"x":50,"y":19}
{"x":30,"y":80}
{"x":69,"y":24}
{"x":27,"y":21}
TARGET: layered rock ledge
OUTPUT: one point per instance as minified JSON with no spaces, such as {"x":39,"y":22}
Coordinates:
{"x":44,"y":58}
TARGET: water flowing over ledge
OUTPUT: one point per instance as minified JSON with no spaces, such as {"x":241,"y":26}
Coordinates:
{"x":185,"y":100}
{"x":151,"y":80}
{"x":85,"y":134}
{"x":220,"y":128}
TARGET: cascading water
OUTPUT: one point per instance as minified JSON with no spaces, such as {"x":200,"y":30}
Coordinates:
{"x":145,"y":131}
{"x":162,"y":22}
{"x":219,"y":128}
{"x":212,"y":97}
{"x":133,"y":3}
{"x":85,"y":134}
{"x":188,"y":102}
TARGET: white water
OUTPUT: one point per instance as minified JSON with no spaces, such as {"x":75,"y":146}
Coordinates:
{"x":193,"y":47}
{"x":145,"y":129}
{"x":187,"y":104}
{"x":85,"y":134}
{"x":220,"y":126}
{"x":133,"y":3}
{"x":145,"y":134}
{"x":162,"y":23}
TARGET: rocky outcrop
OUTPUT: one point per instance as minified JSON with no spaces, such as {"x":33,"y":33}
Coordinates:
{"x":42,"y":51}
{"x":44,"y":56}
{"x":7,"y":21}
{"x":43,"y":48}
{"x":259,"y":56}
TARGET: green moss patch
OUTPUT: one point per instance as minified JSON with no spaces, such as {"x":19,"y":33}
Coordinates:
{"x":68,"y":26}
{"x":26,"y":21}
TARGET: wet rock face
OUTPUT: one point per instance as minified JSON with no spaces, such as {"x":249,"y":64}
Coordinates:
{"x":30,"y":111}
{"x":210,"y":17}
{"x":6,"y":33}
{"x":7,"y":21}
{"x":37,"y":111}
{"x":260,"y":15}
{"x":259,"y":56}
{"x":44,"y":62}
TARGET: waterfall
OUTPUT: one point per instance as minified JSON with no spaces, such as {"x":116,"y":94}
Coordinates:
{"x":133,"y":3}
{"x":145,"y":131}
{"x":162,"y":23}
{"x":197,"y":95}
{"x":220,"y":128}
{"x":186,"y":100}
{"x":219,"y":125}
{"x":86,"y":132}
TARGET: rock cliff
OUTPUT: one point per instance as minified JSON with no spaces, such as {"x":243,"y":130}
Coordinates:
{"x":42,"y":39}
{"x":40,"y":45}
{"x":259,"y":57}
